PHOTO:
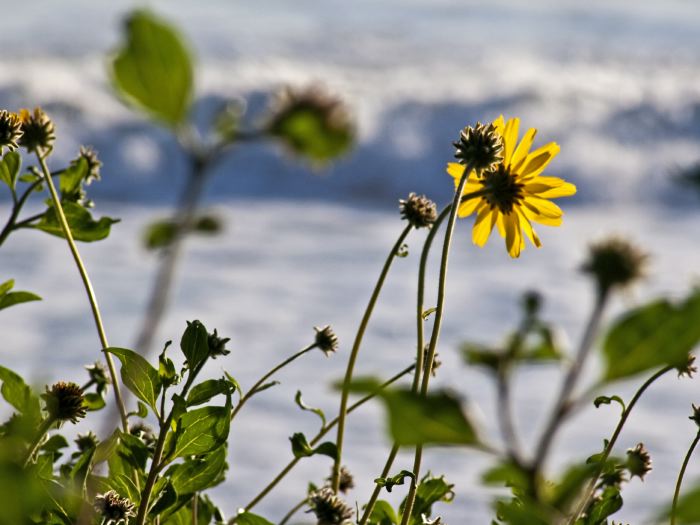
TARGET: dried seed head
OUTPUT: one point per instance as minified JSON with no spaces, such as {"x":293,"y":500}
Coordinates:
{"x":638,"y":461}
{"x":329,"y":508}
{"x":436,"y":362}
{"x":347,"y":482}
{"x":312,"y":123}
{"x":689,"y":368}
{"x":326,"y":340}
{"x":114,"y":509}
{"x":615,"y":263}
{"x":98,"y":375}
{"x":86,"y":441}
{"x":696,"y":415}
{"x":93,"y":163}
{"x":480,"y":147}
{"x":144,"y":433}
{"x":10,"y":130}
{"x":38,"y":132}
{"x":418,"y":210}
{"x":65,"y":402}
{"x":217,"y":345}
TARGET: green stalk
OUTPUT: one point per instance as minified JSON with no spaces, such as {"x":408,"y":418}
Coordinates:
{"x":43,"y":429}
{"x":590,"y":488}
{"x":293,"y":511}
{"x":327,"y":428}
{"x":419,"y":349}
{"x":88,"y":288}
{"x":354,"y":352}
{"x":435,"y":335}
{"x":677,"y":492}
{"x":264,"y":378}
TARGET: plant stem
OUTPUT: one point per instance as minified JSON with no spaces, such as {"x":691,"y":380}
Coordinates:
{"x":293,"y":511}
{"x":43,"y":429}
{"x":563,"y":403}
{"x":377,"y":487}
{"x":17,"y":205}
{"x":327,"y":428}
{"x":435,"y":335}
{"x":156,"y":463}
{"x":264,"y":378}
{"x":354,"y":352}
{"x":677,"y":492}
{"x":88,"y":288}
{"x":420,"y":338}
{"x":590,"y":488}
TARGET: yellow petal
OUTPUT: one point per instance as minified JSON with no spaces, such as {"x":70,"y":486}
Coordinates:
{"x":542,"y":211}
{"x":528,"y":229}
{"x":455,"y":170}
{"x":501,"y":225}
{"x":468,"y":207}
{"x":523,"y":148}
{"x":538,"y":160}
{"x":510,"y":139}
{"x":499,"y":124}
{"x":550,"y":190}
{"x":483,"y":225}
{"x":513,"y":235}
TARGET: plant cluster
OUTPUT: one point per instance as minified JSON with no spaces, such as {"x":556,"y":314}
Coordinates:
{"x":170,"y":445}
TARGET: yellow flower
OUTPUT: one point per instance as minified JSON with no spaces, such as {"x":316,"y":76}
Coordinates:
{"x":515,"y":192}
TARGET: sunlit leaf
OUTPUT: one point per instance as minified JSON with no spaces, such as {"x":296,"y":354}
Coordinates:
{"x":195,"y":344}
{"x":153,"y":70}
{"x":300,"y":403}
{"x":200,"y":431}
{"x":82,"y":226}
{"x":10,"y":165}
{"x":138,"y":375}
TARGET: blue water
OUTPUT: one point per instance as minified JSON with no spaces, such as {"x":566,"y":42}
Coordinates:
{"x":616,"y":84}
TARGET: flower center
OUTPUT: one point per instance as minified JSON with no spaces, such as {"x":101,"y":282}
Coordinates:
{"x":502,"y":190}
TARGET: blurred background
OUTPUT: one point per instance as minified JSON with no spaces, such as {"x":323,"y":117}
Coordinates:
{"x":616,"y":84}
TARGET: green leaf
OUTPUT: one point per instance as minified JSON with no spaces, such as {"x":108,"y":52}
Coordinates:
{"x":153,"y":69}
{"x":607,"y":400}
{"x":18,"y":394}
{"x":248,"y":518}
{"x":138,"y":375}
{"x":436,"y":419}
{"x":427,"y":313}
{"x":94,"y":401}
{"x":200,"y":431}
{"x":205,"y":390}
{"x":71,"y":179}
{"x":195,"y":344}
{"x":300,"y":403}
{"x":480,"y":355}
{"x":7,"y":286}
{"x":9,"y":168}
{"x":609,"y":503}
{"x":383,"y":514}
{"x":688,"y":508}
{"x":199,"y":473}
{"x":398,"y":479}
{"x":506,"y":474}
{"x":8,"y":298}
{"x":430,"y":490}
{"x":159,"y":234}
{"x":655,"y":335}
{"x":164,"y":497}
{"x":565,"y":492}
{"x":264,"y":386}
{"x":106,"y":448}
{"x":82,"y":225}
{"x":302,"y":449}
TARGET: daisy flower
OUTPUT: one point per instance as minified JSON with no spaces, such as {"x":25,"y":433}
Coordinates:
{"x":513,"y":192}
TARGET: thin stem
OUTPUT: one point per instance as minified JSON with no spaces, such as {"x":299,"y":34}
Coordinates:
{"x":420,"y":354}
{"x":505,"y":413}
{"x":11,"y":225}
{"x":435,"y":335}
{"x":354,"y":352}
{"x":563,"y":404}
{"x":156,"y":463}
{"x":195,"y":508}
{"x":327,"y":428}
{"x":267,"y":376}
{"x":377,"y":487}
{"x":88,"y":288}
{"x":293,"y":511}
{"x":590,"y":488}
{"x":677,"y":492}
{"x":43,"y":429}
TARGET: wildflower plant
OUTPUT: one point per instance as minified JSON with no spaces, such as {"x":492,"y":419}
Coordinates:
{"x":170,"y":443}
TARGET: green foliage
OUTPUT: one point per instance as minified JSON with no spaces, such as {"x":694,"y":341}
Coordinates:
{"x":138,"y":376}
{"x":430,"y":490}
{"x":8,"y":298}
{"x":195,"y":344}
{"x":383,"y":514}
{"x":10,"y":165}
{"x":657,"y":334}
{"x":153,"y":69}
{"x":248,"y":518}
{"x":300,"y":403}
{"x":82,"y":225}
{"x":302,"y":449}
{"x":206,"y":390}
{"x":398,"y":479}
{"x":198,"y":473}
{"x":199,"y":431}
{"x":687,"y":509}
{"x":161,"y":233}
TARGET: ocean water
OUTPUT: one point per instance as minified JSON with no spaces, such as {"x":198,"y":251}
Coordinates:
{"x":618,"y":87}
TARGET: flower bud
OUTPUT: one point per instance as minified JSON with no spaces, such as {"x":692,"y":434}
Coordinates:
{"x":326,"y":340}
{"x":329,"y":508}
{"x":614,"y":263}
{"x":65,"y":402}
{"x":418,"y":210}
{"x":480,"y":147}
{"x":37,"y":130}
{"x":10,"y":130}
{"x":638,"y":461}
